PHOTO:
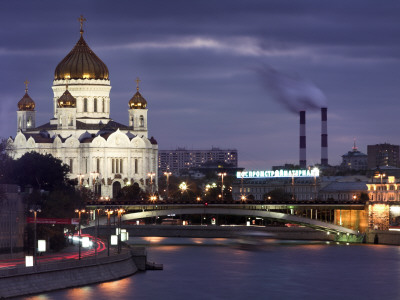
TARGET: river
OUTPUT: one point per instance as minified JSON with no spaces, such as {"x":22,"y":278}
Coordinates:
{"x":210,"y":269}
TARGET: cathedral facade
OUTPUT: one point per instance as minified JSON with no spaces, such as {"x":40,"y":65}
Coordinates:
{"x":102,"y":154}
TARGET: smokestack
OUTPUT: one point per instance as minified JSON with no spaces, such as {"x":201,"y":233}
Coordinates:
{"x":303,"y":161}
{"x":324,"y":137}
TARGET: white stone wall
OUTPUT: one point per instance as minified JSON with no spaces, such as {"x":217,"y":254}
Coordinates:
{"x":84,"y":156}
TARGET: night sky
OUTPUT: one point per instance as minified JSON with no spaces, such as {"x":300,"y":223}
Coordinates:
{"x":202,"y":66}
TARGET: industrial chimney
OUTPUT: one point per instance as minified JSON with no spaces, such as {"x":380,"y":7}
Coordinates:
{"x":303,"y":161}
{"x":324,"y":137}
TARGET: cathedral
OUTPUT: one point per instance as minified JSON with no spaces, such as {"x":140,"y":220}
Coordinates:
{"x":102,"y":154}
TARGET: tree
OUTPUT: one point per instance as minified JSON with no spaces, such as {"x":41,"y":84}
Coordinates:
{"x":5,"y":163}
{"x":131,"y":192}
{"x":43,"y":172}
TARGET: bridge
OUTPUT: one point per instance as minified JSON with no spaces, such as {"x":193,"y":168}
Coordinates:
{"x":321,"y":216}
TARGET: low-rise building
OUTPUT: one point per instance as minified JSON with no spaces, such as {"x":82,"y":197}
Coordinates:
{"x":354,"y":160}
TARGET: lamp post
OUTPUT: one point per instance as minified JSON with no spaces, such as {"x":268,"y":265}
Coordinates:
{"x":80,"y":176}
{"x":183,"y":188}
{"x":120,"y":211}
{"x":95,"y":176}
{"x":96,"y":223}
{"x":109,"y":212}
{"x":381,"y":176}
{"x":151,"y":175}
{"x":79,"y":211}
{"x":35,"y":211}
{"x":222,"y":184}
{"x":167,"y":174}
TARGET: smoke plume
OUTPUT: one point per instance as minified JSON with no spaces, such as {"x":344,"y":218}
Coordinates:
{"x":293,"y":92}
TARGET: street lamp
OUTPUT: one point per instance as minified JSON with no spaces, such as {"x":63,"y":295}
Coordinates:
{"x":382,"y":175}
{"x":119,"y":211}
{"x":109,"y":212}
{"x":167,"y":174}
{"x":151,"y":175}
{"x":80,"y":177}
{"x":35,"y":211}
{"x":79,"y":211}
{"x":222,"y":184}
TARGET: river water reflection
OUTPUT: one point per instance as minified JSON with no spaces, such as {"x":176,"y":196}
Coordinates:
{"x":278,"y":271}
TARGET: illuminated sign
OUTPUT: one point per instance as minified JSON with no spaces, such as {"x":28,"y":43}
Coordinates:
{"x":278,"y":173}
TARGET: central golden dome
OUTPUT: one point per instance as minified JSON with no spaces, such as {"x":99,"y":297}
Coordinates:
{"x":81,"y":63}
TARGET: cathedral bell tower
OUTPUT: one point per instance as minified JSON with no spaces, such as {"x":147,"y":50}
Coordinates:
{"x":26,"y":113}
{"x":138,"y":113}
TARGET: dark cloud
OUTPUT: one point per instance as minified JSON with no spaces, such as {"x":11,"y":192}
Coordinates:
{"x":197,"y":59}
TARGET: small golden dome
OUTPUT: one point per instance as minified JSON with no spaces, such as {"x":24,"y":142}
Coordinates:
{"x":137,"y":101}
{"x":81,"y":63}
{"x":26,"y":103}
{"x":66,"y":100}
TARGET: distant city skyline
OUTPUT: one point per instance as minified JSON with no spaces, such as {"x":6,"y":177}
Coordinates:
{"x":199,"y":64}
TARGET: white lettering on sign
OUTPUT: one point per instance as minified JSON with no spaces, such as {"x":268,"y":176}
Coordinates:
{"x":278,"y":173}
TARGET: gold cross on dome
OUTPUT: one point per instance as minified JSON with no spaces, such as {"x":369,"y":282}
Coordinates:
{"x":137,"y":83}
{"x":81,"y":20}
{"x":26,"y":85}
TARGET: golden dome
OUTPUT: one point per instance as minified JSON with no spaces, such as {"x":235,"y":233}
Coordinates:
{"x":81,"y":63}
{"x":66,"y":100}
{"x":26,"y":103}
{"x":137,"y":101}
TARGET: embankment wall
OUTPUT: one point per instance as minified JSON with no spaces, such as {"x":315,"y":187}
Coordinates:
{"x":53,"y":276}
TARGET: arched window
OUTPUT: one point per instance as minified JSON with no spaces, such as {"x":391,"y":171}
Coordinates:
{"x":141,"y":121}
{"x":104,"y":105}
{"x":29,"y":123}
{"x":95,"y":105}
{"x":85,"y":105}
{"x":136,"y":165}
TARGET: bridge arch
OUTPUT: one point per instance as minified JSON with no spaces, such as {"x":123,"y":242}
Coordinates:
{"x":315,"y":224}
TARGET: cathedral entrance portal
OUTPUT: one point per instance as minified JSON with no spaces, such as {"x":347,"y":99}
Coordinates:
{"x":116,"y":188}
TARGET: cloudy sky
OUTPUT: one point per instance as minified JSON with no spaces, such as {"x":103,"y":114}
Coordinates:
{"x":202,"y":66}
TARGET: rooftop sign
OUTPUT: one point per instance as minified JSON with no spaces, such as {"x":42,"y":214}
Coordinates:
{"x":278,"y":173}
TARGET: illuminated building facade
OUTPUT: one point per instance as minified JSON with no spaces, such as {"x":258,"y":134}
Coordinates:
{"x":101,"y":153}
{"x":384,"y":200}
{"x":306,"y":188}
{"x":179,"y":160}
